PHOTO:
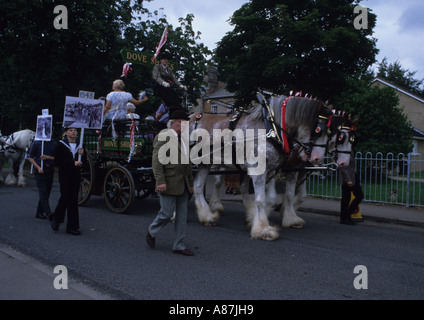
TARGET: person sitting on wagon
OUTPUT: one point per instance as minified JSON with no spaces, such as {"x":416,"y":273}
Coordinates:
{"x":116,"y":101}
{"x":131,"y":112}
{"x":164,"y":78}
{"x":162,"y":114}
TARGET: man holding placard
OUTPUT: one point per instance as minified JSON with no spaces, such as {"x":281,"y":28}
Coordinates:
{"x":41,"y":156}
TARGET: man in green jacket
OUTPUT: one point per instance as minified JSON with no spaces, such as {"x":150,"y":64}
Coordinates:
{"x":174,"y":181}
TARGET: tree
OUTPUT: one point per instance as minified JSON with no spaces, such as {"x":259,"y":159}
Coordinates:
{"x":394,"y":72}
{"x":188,"y":55}
{"x":40,"y":65}
{"x":284,"y":45}
{"x":382,"y":126}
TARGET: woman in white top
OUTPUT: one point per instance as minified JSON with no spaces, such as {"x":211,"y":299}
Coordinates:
{"x":116,"y":101}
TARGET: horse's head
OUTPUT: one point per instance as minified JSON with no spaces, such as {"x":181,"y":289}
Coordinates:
{"x":343,"y":138}
{"x":319,"y":136}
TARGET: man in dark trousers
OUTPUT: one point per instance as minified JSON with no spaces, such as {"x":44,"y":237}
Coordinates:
{"x":67,"y":159}
{"x":350,"y":184}
{"x":43,"y":162}
{"x":174,"y":182}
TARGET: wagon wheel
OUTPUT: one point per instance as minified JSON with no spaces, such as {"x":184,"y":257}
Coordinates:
{"x":87,"y":180}
{"x":119,"y":189}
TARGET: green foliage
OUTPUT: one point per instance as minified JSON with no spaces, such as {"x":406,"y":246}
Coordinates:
{"x":40,"y":65}
{"x":284,"y":45}
{"x":382,"y":126}
{"x":394,"y":72}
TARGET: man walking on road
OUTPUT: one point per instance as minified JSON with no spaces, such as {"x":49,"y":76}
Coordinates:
{"x":174,"y":183}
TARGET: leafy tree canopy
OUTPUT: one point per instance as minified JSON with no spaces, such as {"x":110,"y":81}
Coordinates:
{"x":400,"y":76}
{"x":382,"y":126}
{"x":284,"y":45}
{"x":40,"y":65}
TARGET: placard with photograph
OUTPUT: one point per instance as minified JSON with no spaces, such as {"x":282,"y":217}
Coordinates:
{"x":83,"y":113}
{"x":44,"y":128}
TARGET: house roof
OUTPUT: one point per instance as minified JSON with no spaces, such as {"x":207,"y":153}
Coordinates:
{"x":416,"y":133}
{"x":398,"y":88}
{"x":219,"y":94}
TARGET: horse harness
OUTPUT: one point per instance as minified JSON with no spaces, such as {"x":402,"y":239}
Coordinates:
{"x":10,"y":147}
{"x":278,"y":135}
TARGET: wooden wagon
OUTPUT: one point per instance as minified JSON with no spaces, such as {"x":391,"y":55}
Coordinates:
{"x":119,"y":162}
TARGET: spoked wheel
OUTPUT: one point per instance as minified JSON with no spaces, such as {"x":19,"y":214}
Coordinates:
{"x":87,"y":181}
{"x":118,"y":189}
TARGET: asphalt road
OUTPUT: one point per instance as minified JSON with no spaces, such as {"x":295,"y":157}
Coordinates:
{"x":317,"y":262}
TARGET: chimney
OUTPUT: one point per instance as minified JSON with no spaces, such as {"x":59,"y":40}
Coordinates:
{"x":212,"y":78}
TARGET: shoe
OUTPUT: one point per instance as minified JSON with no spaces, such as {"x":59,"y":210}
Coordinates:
{"x":184,"y":252}
{"x":55,"y":224}
{"x":348,"y":221}
{"x":41,"y":215}
{"x":150,"y":240}
{"x":74,"y":232}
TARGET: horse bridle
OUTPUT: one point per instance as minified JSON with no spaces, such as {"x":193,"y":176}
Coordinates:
{"x":320,"y":128}
{"x":342,"y":136}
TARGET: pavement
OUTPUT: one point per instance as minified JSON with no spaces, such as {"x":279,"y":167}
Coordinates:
{"x":24,"y":278}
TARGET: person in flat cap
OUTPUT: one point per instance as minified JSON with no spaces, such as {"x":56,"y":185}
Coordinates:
{"x":174,"y":183}
{"x":164,"y":77}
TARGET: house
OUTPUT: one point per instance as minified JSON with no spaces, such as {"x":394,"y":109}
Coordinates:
{"x":413,"y":106}
{"x":217,"y":99}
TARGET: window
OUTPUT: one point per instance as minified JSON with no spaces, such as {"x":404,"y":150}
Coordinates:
{"x":214,"y":108}
{"x":414,"y":147}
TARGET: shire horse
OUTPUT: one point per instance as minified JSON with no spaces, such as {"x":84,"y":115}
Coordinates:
{"x":13,"y":150}
{"x":339,"y":132}
{"x":288,"y":120}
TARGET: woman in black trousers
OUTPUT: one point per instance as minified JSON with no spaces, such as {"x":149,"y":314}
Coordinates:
{"x":66,"y":158}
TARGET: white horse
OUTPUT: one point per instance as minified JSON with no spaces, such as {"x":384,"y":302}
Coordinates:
{"x":332,"y":134}
{"x":301,"y":116}
{"x":13,"y":151}
{"x":341,"y":139}
{"x":293,"y":195}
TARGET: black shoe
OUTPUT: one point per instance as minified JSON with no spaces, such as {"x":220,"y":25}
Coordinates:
{"x":41,"y":215}
{"x":150,"y":240}
{"x":55,"y":224}
{"x":184,"y":252}
{"x":74,"y":232}
{"x":348,"y":221}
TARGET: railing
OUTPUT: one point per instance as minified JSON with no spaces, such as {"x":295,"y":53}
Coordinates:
{"x":384,"y":179}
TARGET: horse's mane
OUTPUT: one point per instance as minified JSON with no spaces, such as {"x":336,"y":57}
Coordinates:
{"x":299,"y":110}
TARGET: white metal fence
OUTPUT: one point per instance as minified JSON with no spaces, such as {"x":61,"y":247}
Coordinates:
{"x":384,"y":179}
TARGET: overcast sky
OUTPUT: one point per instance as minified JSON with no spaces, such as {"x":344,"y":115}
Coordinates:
{"x":399,"y":30}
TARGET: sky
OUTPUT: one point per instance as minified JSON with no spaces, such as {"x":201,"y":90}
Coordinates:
{"x":399,"y":31}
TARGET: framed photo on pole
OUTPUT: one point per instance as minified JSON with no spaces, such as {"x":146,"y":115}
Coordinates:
{"x":83,"y":113}
{"x":44,"y":128}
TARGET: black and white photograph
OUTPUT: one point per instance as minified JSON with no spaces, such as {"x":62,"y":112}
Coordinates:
{"x":44,"y":128}
{"x":83,"y":113}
